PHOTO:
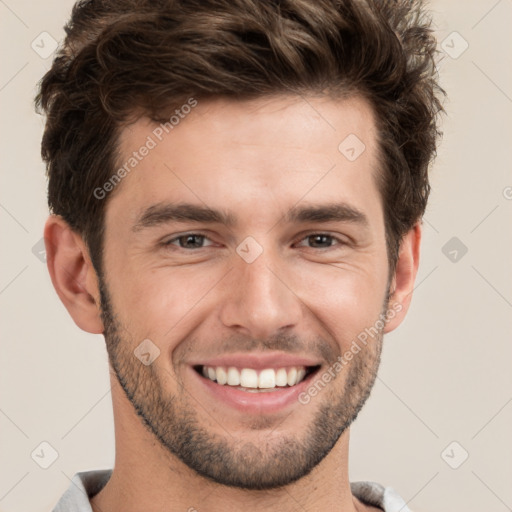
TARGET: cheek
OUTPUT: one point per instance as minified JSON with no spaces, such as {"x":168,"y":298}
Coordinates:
{"x":345,"y":301}
{"x":156,"y":303}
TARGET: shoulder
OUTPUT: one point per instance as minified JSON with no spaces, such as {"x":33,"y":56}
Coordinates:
{"x":374,"y":494}
{"x":83,"y":486}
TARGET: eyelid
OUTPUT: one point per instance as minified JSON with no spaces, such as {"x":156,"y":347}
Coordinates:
{"x":341,"y":241}
{"x":169,"y":241}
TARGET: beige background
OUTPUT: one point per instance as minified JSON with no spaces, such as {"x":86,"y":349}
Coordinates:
{"x":446,"y":372}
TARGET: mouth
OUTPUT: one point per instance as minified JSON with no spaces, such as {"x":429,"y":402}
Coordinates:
{"x":253,"y":380}
{"x":256,"y":383}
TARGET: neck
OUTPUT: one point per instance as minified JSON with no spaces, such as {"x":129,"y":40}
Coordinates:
{"x":147,"y":477}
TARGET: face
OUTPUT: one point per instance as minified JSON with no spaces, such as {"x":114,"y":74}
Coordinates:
{"x":251,"y":252}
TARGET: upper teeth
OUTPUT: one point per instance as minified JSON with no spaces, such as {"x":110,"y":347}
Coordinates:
{"x":250,"y":378}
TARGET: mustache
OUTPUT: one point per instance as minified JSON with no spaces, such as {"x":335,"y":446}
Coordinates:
{"x":290,"y":343}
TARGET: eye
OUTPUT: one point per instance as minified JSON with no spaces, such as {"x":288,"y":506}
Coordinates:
{"x":319,"y":241}
{"x":190,"y":241}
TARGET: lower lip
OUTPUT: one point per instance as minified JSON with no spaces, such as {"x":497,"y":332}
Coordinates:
{"x":259,"y":402}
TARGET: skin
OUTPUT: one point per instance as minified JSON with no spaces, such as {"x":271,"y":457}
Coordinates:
{"x":256,"y":160}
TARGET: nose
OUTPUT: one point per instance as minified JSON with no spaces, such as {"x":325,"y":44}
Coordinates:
{"x":259,"y":300}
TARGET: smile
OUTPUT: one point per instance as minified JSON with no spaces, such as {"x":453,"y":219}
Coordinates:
{"x":253,"y":380}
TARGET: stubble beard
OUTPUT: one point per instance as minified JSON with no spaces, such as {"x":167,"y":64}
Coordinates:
{"x":273,"y":460}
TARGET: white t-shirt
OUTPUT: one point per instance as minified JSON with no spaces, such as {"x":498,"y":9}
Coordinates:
{"x":89,"y":483}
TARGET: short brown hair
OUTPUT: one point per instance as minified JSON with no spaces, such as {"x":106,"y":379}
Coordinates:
{"x":123,"y":59}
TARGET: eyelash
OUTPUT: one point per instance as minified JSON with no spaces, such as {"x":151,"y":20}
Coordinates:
{"x":333,"y":238}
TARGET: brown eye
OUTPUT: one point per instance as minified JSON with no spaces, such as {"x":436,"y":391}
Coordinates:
{"x":189,"y":241}
{"x":319,"y":241}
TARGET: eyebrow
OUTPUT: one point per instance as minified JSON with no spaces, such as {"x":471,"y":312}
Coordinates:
{"x":160,"y":213}
{"x":335,"y":212}
{"x":163,"y":213}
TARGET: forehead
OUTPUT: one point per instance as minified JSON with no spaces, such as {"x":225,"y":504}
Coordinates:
{"x":227,"y":152}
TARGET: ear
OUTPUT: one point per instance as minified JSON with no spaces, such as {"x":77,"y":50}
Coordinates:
{"x":402,"y":284}
{"x":73,"y":275}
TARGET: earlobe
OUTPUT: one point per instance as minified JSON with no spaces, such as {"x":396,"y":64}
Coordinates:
{"x":72,"y":274}
{"x":402,"y":284}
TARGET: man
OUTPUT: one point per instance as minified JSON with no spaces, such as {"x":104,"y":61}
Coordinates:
{"x":236,"y":191}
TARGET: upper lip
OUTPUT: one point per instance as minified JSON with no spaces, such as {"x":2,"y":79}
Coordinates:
{"x":258,"y":361}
